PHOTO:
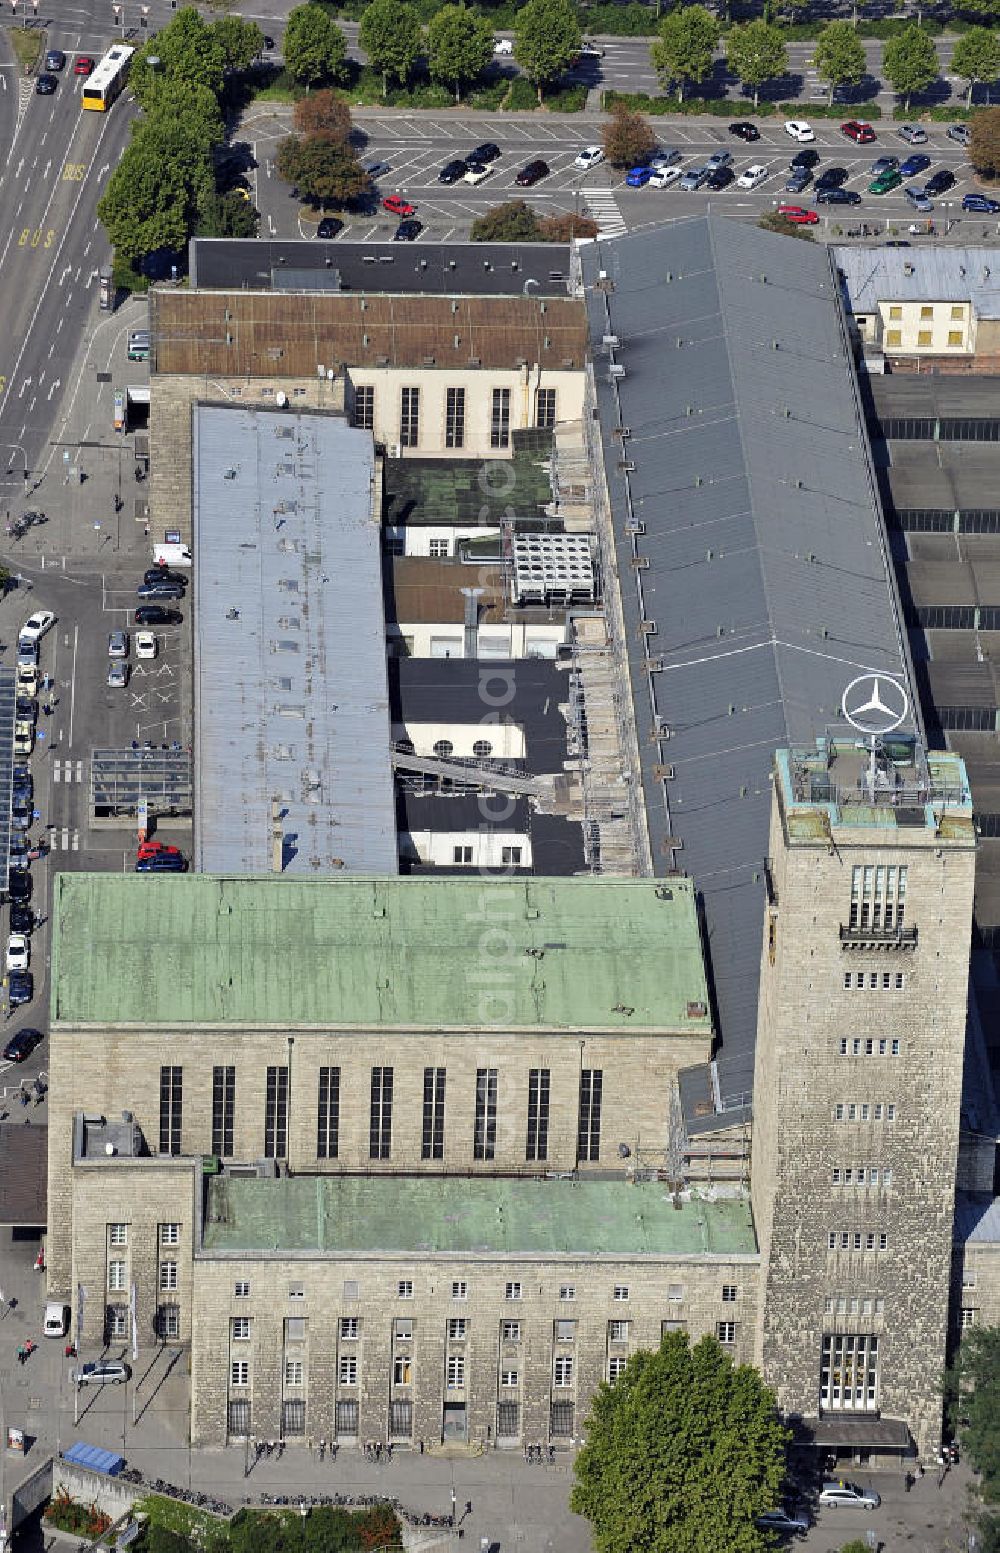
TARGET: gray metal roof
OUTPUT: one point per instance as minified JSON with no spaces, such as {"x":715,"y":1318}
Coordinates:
{"x":291,"y":698}
{"x":937,"y":273}
{"x":977,"y":1218}
{"x":441,"y":269}
{"x":765,"y":573}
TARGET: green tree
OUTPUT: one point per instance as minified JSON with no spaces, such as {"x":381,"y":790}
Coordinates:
{"x":513,"y":222}
{"x":189,"y":51}
{"x":840,"y":57}
{"x":547,"y":40}
{"x":153,"y":196}
{"x":323,"y":168}
{"x":626,"y":136}
{"x":682,"y":1452}
{"x":983,"y":10}
{"x":564,"y":227}
{"x":226,"y":215}
{"x":976,"y":58}
{"x":984,"y":144}
{"x":194,"y":106}
{"x":315,"y":48}
{"x":392,"y":37}
{"x":756,"y":53}
{"x":684,"y":52}
{"x":974,"y":1401}
{"x":910,"y":62}
{"x":459,"y":46}
{"x":239,"y":41}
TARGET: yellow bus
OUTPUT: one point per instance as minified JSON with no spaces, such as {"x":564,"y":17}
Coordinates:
{"x":101,"y":88}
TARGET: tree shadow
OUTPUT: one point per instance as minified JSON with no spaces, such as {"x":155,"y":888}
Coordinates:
{"x":782,"y":89}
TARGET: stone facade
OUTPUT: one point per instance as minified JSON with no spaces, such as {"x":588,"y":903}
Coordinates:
{"x":858,"y":1073}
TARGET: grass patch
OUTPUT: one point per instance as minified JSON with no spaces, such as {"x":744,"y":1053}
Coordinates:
{"x":488,"y":98}
{"x":718,"y":107}
{"x":207,"y":1532}
{"x":27,"y":43}
{"x":841,"y":111}
{"x":566,"y":99}
{"x":621,"y":21}
{"x":277,"y":87}
{"x":522,"y":95}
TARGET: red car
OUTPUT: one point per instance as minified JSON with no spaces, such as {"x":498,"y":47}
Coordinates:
{"x":150,"y":848}
{"x":857,"y":130}
{"x":83,"y":65}
{"x":398,"y":205}
{"x":798,"y":214}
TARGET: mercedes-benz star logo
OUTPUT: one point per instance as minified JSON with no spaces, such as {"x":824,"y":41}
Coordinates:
{"x":875,"y":704}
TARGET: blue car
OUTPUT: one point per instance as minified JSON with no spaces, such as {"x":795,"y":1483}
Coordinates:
{"x":162,"y":863}
{"x":914,"y":164}
{"x":981,"y":203}
{"x":638,"y":177}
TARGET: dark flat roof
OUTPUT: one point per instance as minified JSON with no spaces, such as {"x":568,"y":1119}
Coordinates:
{"x":445,"y":269}
{"x":24,"y":1168}
{"x":556,"y":842}
{"x":526,"y":691}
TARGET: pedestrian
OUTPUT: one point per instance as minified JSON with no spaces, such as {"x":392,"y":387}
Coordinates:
{"x":942,"y":1474}
{"x":920,"y":1470}
{"x":21,"y":1353}
{"x":907,"y":1481}
{"x":421,"y":1443}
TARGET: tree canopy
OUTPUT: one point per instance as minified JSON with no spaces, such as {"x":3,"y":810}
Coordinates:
{"x":323,"y":168}
{"x":840,"y":56}
{"x":190,"y":51}
{"x":459,"y":46}
{"x":547,"y":40}
{"x":153,"y":196}
{"x":976,"y":58}
{"x":392,"y":36}
{"x":910,"y":62}
{"x":315,"y":48}
{"x":240,"y":41}
{"x":322,"y":113}
{"x":756,"y":53}
{"x":626,"y":136}
{"x":517,"y":222}
{"x":684,"y":52}
{"x":682,"y":1452}
{"x":975,"y":1400}
{"x":984,"y":143}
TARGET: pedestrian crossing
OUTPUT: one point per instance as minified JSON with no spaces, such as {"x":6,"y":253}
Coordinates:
{"x":604,"y":208}
{"x":64,"y":839}
{"x":67,"y":771}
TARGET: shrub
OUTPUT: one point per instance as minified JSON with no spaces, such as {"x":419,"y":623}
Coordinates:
{"x":79,"y":1519}
{"x":566,"y":99}
{"x":521,"y":94}
{"x":841,"y":111}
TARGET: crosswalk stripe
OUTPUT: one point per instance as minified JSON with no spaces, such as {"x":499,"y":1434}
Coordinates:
{"x":604,"y":208}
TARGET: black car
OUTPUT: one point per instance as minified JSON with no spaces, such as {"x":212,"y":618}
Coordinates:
{"x":328,"y":227}
{"x":805,"y":158}
{"x":22,"y":1044}
{"x":487,"y":152}
{"x":19,"y":885}
{"x":532,"y":173}
{"x":743,"y":130}
{"x":22,"y":776}
{"x":155,"y":615}
{"x":22,"y":919}
{"x":941,"y":182}
{"x":407,"y":231}
{"x":162,"y":863}
{"x":451,"y":172}
{"x":159,"y":590}
{"x":26,"y":707}
{"x":22,"y":811}
{"x":800,"y":176}
{"x":46,"y":85}
{"x":161,"y":574}
{"x":719,"y":178}
{"x":832,"y":178}
{"x":20,"y":987}
{"x":837,"y":197}
{"x":55,"y":59}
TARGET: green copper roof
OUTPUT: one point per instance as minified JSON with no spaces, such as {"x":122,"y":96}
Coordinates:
{"x":422,"y":1214}
{"x":508,"y":953}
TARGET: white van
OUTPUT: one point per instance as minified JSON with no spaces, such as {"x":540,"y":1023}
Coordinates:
{"x":171,"y":555}
{"x":56,"y":1323}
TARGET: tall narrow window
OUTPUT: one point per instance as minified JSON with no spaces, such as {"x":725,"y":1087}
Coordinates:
{"x":878,"y":896}
{"x":171,"y":1109}
{"x":328,"y":1117}
{"x":537,"y":1146}
{"x":364,"y":407}
{"x":380,"y":1134}
{"x":409,"y":417}
{"x":589,"y":1132}
{"x":432,"y":1142}
{"x":545,"y":407}
{"x":485,"y":1136}
{"x":500,"y":420}
{"x":454,"y":421}
{"x":223,"y":1109}
{"x":276,"y":1114}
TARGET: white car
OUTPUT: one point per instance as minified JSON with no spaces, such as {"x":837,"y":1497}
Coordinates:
{"x":18,"y":952}
{"x":799,"y":129}
{"x":477,"y":173}
{"x":665,"y":177}
{"x":589,"y":157}
{"x":145,"y":644}
{"x":849,"y":1493}
{"x":503,"y":45}
{"x":36,"y":625}
{"x":752,"y":177}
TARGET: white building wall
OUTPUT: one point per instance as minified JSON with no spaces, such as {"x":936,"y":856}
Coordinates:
{"x":506,"y":740}
{"x":490,"y":849}
{"x":478,"y":383}
{"x":445,"y":640}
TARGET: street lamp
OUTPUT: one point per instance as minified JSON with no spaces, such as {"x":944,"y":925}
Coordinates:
{"x":119,"y":12}
{"x":144,"y":18}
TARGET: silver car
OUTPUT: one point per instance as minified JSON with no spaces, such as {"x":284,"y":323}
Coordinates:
{"x":695,"y":178}
{"x":849,"y":1493}
{"x":960,"y":132}
{"x":104,"y":1372}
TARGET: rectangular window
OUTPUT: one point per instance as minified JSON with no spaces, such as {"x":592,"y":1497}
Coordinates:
{"x":460,"y":1289}
{"x":293,"y":1372}
{"x":675,"y":1291}
{"x":404,"y":1289}
{"x":729,"y":1293}
{"x":566,"y":1331}
{"x":117,"y":1275}
{"x":510,"y":1331}
{"x":894,"y":336}
{"x":239,"y":1372}
{"x":567,"y":1291}
{"x":328,"y":1114}
{"x":402,"y":1329}
{"x":461,"y":854}
{"x":510,"y":857}
{"x":849,"y":1372}
{"x":458,"y":1327}
{"x":508,"y":1377}
{"x":117,"y":1234}
{"x":171,"y":1109}
{"x":927,"y":312}
{"x":239,"y":1329}
{"x":956,"y":313}
{"x":346,"y":1420}
{"x":380,"y":1130}
{"x":223,"y":1110}
{"x":726,"y":1331}
{"x":168,"y":1321}
{"x":618,"y":1331}
{"x":896,"y":313}
{"x":241,"y":1288}
{"x":364,"y":406}
{"x":170,"y":1234}
{"x":296,"y":1291}
{"x":168,"y":1275}
{"x":239,"y":1419}
{"x":276,"y":1113}
{"x":956,"y":337}
{"x":500,"y":418}
{"x":562,"y":1372}
{"x":512,"y":1291}
{"x":537,"y":1146}
{"x":589,"y":1130}
{"x":409,"y":418}
{"x":924,"y":336}
{"x":115,"y":1322}
{"x":484,"y":1141}
{"x":545,"y":407}
{"x":561,"y":1420}
{"x":621,"y":1291}
{"x":348,"y":1369}
{"x":508,"y":1425}
{"x":967,"y":1316}
{"x":402,"y":1369}
{"x":454,"y":422}
{"x":350,"y":1328}
{"x":293,"y":1418}
{"x":438,"y":549}
{"x":616,"y":1367}
{"x":432,"y":1140}
{"x":456,"y":1371}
